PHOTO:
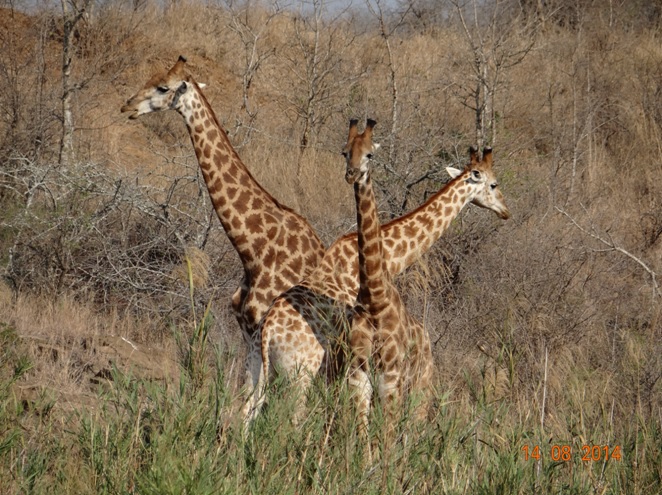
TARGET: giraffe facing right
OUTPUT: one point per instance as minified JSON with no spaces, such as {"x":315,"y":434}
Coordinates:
{"x":385,"y":341}
{"x":298,"y":333}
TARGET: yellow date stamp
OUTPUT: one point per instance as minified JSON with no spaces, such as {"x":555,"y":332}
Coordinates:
{"x":564,"y":453}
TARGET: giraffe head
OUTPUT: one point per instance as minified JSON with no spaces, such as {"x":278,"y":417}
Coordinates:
{"x":358,"y":150}
{"x":479,"y":174}
{"x":162,"y":92}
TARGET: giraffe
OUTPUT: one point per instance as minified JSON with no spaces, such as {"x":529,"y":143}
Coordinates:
{"x":383,"y":335}
{"x":299,"y":331}
{"x":276,"y":246}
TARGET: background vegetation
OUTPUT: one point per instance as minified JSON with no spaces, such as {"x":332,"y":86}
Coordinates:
{"x":119,"y":360}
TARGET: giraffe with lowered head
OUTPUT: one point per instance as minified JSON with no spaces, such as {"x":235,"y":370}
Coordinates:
{"x":276,"y":246}
{"x":387,"y":345}
{"x":302,"y":325}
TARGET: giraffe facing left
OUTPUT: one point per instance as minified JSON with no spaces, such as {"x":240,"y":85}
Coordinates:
{"x":388,"y":347}
{"x":277,"y":247}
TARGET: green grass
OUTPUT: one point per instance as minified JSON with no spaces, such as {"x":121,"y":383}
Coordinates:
{"x":153,"y":438}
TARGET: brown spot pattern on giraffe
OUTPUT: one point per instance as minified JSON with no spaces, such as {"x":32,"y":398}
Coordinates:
{"x":410,"y":230}
{"x":295,"y":264}
{"x":264,"y":282}
{"x":215,"y":186}
{"x":269,"y":257}
{"x":292,"y":225}
{"x":253,"y":223}
{"x":371,"y":250}
{"x":258,"y":246}
{"x":242,"y":203}
{"x":245,"y":181}
{"x":222,"y":159}
{"x":292,"y":243}
{"x":212,"y":134}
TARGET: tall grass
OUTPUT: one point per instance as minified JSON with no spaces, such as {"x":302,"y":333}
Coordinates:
{"x":149,"y":437}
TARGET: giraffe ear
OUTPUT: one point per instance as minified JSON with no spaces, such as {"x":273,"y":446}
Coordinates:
{"x":453,"y":172}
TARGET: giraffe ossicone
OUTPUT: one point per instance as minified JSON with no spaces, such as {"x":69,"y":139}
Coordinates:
{"x":276,"y":246}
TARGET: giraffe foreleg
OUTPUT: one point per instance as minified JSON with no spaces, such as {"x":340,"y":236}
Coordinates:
{"x":358,"y":377}
{"x":254,"y":384}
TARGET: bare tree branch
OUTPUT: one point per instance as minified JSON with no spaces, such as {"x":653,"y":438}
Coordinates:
{"x":612,"y":246}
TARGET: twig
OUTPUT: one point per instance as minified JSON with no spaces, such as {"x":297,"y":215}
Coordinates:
{"x":613,"y":247}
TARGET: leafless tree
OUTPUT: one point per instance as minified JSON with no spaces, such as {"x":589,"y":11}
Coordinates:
{"x":496,"y":46}
{"x":28,"y":125}
{"x":317,"y":60}
{"x":92,"y":36}
{"x":387,"y":29}
{"x":250,"y":23}
{"x":73,"y":12}
{"x":610,"y":245}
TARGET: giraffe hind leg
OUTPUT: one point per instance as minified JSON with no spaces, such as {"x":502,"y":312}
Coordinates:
{"x":390,"y":393}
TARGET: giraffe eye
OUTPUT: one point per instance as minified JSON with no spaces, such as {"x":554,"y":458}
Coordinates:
{"x":494,"y":185}
{"x":369,"y":156}
{"x":344,"y":153}
{"x":476,"y":174}
{"x":162,"y":89}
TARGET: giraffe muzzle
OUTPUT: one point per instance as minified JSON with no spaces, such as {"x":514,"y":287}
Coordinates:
{"x":129,"y":108}
{"x":351,"y":175}
{"x":504,"y":214}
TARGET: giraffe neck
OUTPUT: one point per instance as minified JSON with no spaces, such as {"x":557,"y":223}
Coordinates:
{"x":407,"y":238}
{"x":373,"y":282}
{"x":234,"y":193}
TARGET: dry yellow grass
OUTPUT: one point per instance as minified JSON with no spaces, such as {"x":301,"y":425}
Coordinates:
{"x":73,"y":350}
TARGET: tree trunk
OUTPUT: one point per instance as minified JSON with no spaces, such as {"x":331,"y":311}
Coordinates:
{"x":71,"y":14}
